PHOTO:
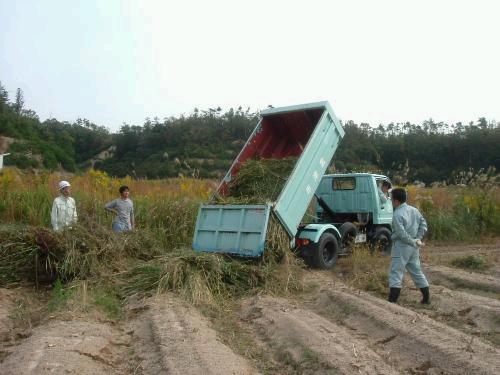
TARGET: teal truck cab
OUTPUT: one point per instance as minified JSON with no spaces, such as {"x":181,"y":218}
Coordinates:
{"x":348,"y":209}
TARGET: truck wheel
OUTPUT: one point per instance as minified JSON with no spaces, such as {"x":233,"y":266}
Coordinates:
{"x":381,"y":240}
{"x":326,"y":252}
{"x":348,"y":232}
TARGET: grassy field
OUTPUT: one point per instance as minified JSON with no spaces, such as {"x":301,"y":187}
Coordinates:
{"x":157,"y":256}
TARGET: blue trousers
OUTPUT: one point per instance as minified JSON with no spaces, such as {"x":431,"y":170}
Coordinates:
{"x":408,"y":258}
{"x":119,"y":227}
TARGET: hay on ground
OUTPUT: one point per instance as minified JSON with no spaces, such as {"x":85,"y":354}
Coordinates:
{"x":38,"y":254}
{"x":211,"y":279}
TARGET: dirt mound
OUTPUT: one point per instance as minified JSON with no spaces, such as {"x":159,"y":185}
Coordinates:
{"x":172,"y":337}
{"x":305,"y":342}
{"x":74,"y":347}
{"x":405,"y":339}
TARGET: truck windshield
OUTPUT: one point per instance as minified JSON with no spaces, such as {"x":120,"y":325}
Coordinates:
{"x":344,"y":183}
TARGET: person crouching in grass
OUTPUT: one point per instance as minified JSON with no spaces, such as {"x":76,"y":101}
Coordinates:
{"x":123,"y":208}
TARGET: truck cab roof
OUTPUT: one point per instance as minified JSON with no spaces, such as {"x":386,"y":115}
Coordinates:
{"x":354,"y":175}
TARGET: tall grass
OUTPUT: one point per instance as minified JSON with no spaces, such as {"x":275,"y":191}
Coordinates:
{"x":165,"y":207}
{"x":459,"y":214}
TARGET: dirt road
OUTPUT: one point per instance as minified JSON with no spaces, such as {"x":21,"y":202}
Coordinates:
{"x":332,"y":329}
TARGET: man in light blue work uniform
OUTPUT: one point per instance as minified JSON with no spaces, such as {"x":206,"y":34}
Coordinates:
{"x":63,"y":214}
{"x":408,"y":227}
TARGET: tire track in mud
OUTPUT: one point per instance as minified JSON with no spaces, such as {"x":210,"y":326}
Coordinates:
{"x":172,"y":337}
{"x":407,"y":340}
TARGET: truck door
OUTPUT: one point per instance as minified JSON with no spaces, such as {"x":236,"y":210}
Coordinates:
{"x":384,"y":214}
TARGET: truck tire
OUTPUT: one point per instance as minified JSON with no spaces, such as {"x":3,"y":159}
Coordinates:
{"x":326,"y":252}
{"x":381,"y":240}
{"x":348,"y":232}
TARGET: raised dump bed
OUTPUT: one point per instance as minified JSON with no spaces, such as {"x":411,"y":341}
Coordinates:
{"x":308,"y":132}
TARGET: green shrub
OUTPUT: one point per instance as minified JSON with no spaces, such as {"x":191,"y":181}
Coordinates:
{"x":471,"y":262}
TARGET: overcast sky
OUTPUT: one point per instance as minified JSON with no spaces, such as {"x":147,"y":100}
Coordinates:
{"x":379,"y":61}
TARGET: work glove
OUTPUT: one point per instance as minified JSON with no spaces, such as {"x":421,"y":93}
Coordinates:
{"x":419,"y":243}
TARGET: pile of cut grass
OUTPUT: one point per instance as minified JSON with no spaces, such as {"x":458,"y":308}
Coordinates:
{"x":37,"y":254}
{"x":212,"y":279}
{"x":134,"y":263}
{"x":260,"y":181}
{"x":18,"y":253}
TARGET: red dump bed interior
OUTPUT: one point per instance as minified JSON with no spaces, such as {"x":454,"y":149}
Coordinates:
{"x":279,"y":136}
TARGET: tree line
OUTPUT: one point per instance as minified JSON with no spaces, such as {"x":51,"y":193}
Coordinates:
{"x":204,"y":143}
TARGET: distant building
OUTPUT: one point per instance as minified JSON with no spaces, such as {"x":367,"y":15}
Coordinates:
{"x":1,"y":160}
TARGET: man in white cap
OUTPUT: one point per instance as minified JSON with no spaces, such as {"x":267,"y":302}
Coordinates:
{"x":63,"y":209}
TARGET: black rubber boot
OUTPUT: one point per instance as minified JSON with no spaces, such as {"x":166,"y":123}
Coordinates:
{"x":426,"y":300}
{"x":394,"y":294}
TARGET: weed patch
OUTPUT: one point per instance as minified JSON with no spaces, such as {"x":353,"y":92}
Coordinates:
{"x":470,"y":262}
{"x":61,"y":295}
{"x":109,"y":302}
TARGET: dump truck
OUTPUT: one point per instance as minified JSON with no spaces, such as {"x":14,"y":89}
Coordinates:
{"x":310,"y":133}
{"x":351,"y":203}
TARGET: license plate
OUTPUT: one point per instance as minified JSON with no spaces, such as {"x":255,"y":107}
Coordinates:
{"x":360,"y":238}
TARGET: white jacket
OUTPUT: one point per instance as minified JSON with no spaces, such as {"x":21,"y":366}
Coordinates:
{"x":63,"y":212}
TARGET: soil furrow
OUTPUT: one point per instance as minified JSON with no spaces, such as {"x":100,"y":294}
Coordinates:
{"x":473,"y":314}
{"x":304,"y":342}
{"x":184,"y":341}
{"x":410,"y":341}
{"x":457,"y":278}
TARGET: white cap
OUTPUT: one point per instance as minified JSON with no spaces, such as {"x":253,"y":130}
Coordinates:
{"x":63,"y":184}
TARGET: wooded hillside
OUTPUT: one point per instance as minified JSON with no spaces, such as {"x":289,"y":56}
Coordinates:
{"x":204,"y":142}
